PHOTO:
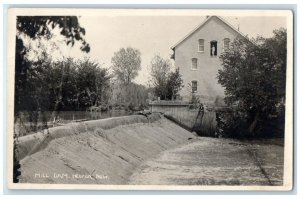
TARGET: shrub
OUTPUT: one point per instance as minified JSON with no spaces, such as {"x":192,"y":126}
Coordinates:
{"x":130,"y":107}
{"x":219,"y":102}
{"x":234,"y":124}
{"x":230,"y":124}
{"x":194,"y":102}
{"x":206,"y":125}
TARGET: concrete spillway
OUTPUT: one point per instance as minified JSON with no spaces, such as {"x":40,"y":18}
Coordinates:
{"x":97,"y":152}
{"x":139,"y":150}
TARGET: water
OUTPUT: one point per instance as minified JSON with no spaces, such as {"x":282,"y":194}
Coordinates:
{"x":32,"y":122}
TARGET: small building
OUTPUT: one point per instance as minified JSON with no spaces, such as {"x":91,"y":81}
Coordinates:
{"x":197,"y":56}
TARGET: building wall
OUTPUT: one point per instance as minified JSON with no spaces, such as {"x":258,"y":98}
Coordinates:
{"x":208,"y":88}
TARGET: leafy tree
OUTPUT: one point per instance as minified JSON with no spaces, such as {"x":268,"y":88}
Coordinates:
{"x":254,"y":76}
{"x":35,"y":28}
{"x":174,"y":84}
{"x":132,"y":94}
{"x":92,"y":83}
{"x":126,"y":63}
{"x":41,"y":26}
{"x":166,"y":83}
{"x":32,"y":92}
{"x":160,"y":69}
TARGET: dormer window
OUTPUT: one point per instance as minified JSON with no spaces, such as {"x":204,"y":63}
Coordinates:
{"x":226,"y":44}
{"x":201,"y":45}
{"x":213,"y":48}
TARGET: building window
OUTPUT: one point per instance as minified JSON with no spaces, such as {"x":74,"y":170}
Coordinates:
{"x":226,"y":44}
{"x":201,"y":45}
{"x":194,"y":63}
{"x":194,"y":86}
{"x":213,"y":48}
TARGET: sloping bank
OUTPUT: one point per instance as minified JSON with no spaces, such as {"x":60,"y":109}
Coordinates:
{"x":99,"y":152}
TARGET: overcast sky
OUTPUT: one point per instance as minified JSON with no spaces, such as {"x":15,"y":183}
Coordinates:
{"x":153,"y":35}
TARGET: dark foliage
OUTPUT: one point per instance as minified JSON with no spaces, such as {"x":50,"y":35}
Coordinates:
{"x":16,"y":166}
{"x":254,"y":75}
{"x":36,"y":27}
{"x":64,"y":85}
{"x":174,"y":84}
{"x":41,"y":26}
{"x":234,"y":124}
{"x":32,"y":91}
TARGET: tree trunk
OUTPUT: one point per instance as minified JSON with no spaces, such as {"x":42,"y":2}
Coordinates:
{"x":254,"y":122}
{"x":54,"y":114}
{"x":58,"y":97}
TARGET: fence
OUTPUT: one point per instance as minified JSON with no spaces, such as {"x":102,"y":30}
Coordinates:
{"x":202,"y":122}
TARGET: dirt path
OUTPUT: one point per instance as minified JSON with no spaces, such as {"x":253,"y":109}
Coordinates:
{"x":211,"y":161}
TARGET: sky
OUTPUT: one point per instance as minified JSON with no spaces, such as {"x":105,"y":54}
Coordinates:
{"x":152,"y":35}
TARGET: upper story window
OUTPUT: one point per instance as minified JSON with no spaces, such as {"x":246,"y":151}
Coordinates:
{"x":194,"y":63}
{"x":201,"y":45}
{"x":226,"y":43}
{"x":194,"y":86}
{"x":213,"y":48}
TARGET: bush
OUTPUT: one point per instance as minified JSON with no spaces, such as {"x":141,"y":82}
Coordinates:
{"x":130,"y":107}
{"x":194,"y":102}
{"x":206,"y":125}
{"x":254,"y":77}
{"x":235,"y":123}
{"x":219,"y":102}
{"x":230,"y":124}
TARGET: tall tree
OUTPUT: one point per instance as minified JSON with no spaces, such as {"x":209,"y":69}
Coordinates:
{"x":35,"y":28}
{"x":31,"y":91}
{"x":92,"y":83}
{"x":254,"y":75}
{"x":160,"y":69}
{"x":126,"y":64}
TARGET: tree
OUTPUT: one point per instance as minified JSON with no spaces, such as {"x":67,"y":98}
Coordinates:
{"x":92,"y":83}
{"x":166,"y":83}
{"x":160,"y":69}
{"x":35,"y":28}
{"x":174,"y":84}
{"x":32,"y":91}
{"x":41,"y":26}
{"x":254,"y":74}
{"x":126,"y":64}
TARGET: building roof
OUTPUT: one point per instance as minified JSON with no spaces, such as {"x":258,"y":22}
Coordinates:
{"x":202,"y":24}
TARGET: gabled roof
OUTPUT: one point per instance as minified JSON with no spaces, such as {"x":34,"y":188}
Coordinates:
{"x":202,"y":24}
